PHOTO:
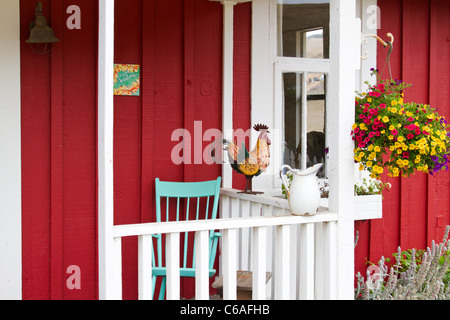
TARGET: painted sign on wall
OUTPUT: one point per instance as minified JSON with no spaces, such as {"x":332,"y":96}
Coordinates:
{"x":126,"y":79}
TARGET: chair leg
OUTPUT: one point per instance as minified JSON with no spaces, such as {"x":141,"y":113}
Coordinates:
{"x":162,"y":290}
{"x":154,"y":285}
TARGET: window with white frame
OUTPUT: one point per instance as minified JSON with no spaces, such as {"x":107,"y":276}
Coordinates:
{"x":301,"y":69}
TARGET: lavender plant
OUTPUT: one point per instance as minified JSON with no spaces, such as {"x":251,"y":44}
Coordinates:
{"x":420,"y":281}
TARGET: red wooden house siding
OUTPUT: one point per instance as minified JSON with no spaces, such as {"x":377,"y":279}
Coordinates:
{"x":416,"y":210}
{"x":178,"y":44}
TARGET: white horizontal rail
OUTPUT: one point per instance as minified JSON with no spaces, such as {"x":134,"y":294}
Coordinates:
{"x":218,"y":224}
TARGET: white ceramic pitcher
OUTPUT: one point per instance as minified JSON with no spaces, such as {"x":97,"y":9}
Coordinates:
{"x":304,"y":192}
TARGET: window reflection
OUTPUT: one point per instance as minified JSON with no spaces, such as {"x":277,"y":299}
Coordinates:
{"x":303,"y":28}
{"x":304,"y":120}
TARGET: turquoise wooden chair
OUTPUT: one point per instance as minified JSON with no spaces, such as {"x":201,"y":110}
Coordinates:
{"x":187,"y":195}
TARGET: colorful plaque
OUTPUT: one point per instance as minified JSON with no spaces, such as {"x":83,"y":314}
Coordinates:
{"x":126,"y":79}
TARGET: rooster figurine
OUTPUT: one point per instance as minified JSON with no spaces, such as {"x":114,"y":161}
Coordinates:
{"x":253,"y":163}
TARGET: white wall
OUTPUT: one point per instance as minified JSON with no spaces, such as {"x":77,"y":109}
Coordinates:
{"x":10,"y":159}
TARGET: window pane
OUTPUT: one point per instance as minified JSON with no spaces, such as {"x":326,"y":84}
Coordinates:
{"x":304,"y":117}
{"x":303,"y":28}
{"x":292,"y":118}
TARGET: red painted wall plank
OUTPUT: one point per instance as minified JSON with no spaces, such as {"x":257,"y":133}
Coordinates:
{"x":56,"y":150}
{"x":439,"y":96}
{"x":416,"y":17}
{"x":59,"y":156}
{"x":35,"y":121}
{"x":242,"y":76}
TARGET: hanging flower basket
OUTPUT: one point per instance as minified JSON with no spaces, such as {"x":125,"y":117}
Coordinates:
{"x":395,"y":137}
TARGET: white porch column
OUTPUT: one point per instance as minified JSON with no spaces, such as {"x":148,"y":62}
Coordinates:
{"x":105,"y":149}
{"x":10,"y":159}
{"x":227,"y":92}
{"x":344,"y":60}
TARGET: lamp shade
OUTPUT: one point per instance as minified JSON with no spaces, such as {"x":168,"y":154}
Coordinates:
{"x":40,"y":32}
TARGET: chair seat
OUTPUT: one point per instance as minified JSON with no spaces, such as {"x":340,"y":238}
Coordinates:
{"x":184,"y":272}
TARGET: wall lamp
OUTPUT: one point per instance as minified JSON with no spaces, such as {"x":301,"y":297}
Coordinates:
{"x":41,"y":35}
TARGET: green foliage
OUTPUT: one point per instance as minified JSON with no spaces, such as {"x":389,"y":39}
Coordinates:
{"x":371,"y":186}
{"x":415,"y":275}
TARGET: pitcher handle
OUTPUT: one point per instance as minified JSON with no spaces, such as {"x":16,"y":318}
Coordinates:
{"x":283,"y":179}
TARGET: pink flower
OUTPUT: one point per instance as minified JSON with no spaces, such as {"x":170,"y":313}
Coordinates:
{"x":372,"y":134}
{"x":405,"y":155}
{"x":394,"y":132}
{"x":382,"y":105}
{"x":410,"y":136}
{"x":374,"y":94}
{"x":361,"y":116}
{"x":361,"y":144}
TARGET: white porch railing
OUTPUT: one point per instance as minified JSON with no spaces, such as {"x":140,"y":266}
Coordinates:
{"x":258,"y":234}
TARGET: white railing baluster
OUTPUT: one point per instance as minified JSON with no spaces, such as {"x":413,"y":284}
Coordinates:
{"x":259,"y":263}
{"x":229,"y":262}
{"x":282,"y":261}
{"x":145,"y":267}
{"x":117,"y":251}
{"x":306,"y":261}
{"x":201,"y":265}
{"x":329,"y":261}
{"x":293,"y":268}
{"x":173,"y":266}
{"x":236,"y":213}
{"x":244,"y":238}
{"x":318,"y":261}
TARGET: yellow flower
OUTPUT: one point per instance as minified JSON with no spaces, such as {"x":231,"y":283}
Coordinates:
{"x":369,"y":164}
{"x":377,"y":149}
{"x":361,"y":167}
{"x":393,"y":103}
{"x":394,"y":110}
{"x":354,"y":126}
{"x":400,"y":139}
{"x":385,"y":119}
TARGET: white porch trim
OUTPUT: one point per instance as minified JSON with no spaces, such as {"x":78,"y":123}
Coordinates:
{"x":10,"y":148}
{"x":345,"y":44}
{"x":106,"y":261}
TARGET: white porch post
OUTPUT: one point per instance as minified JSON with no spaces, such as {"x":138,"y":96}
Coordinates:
{"x":227,"y":94}
{"x":10,"y":160}
{"x":344,"y":60}
{"x":105,"y":149}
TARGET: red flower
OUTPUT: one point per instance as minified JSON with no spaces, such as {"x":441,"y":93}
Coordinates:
{"x":410,"y":136}
{"x":405,"y":155}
